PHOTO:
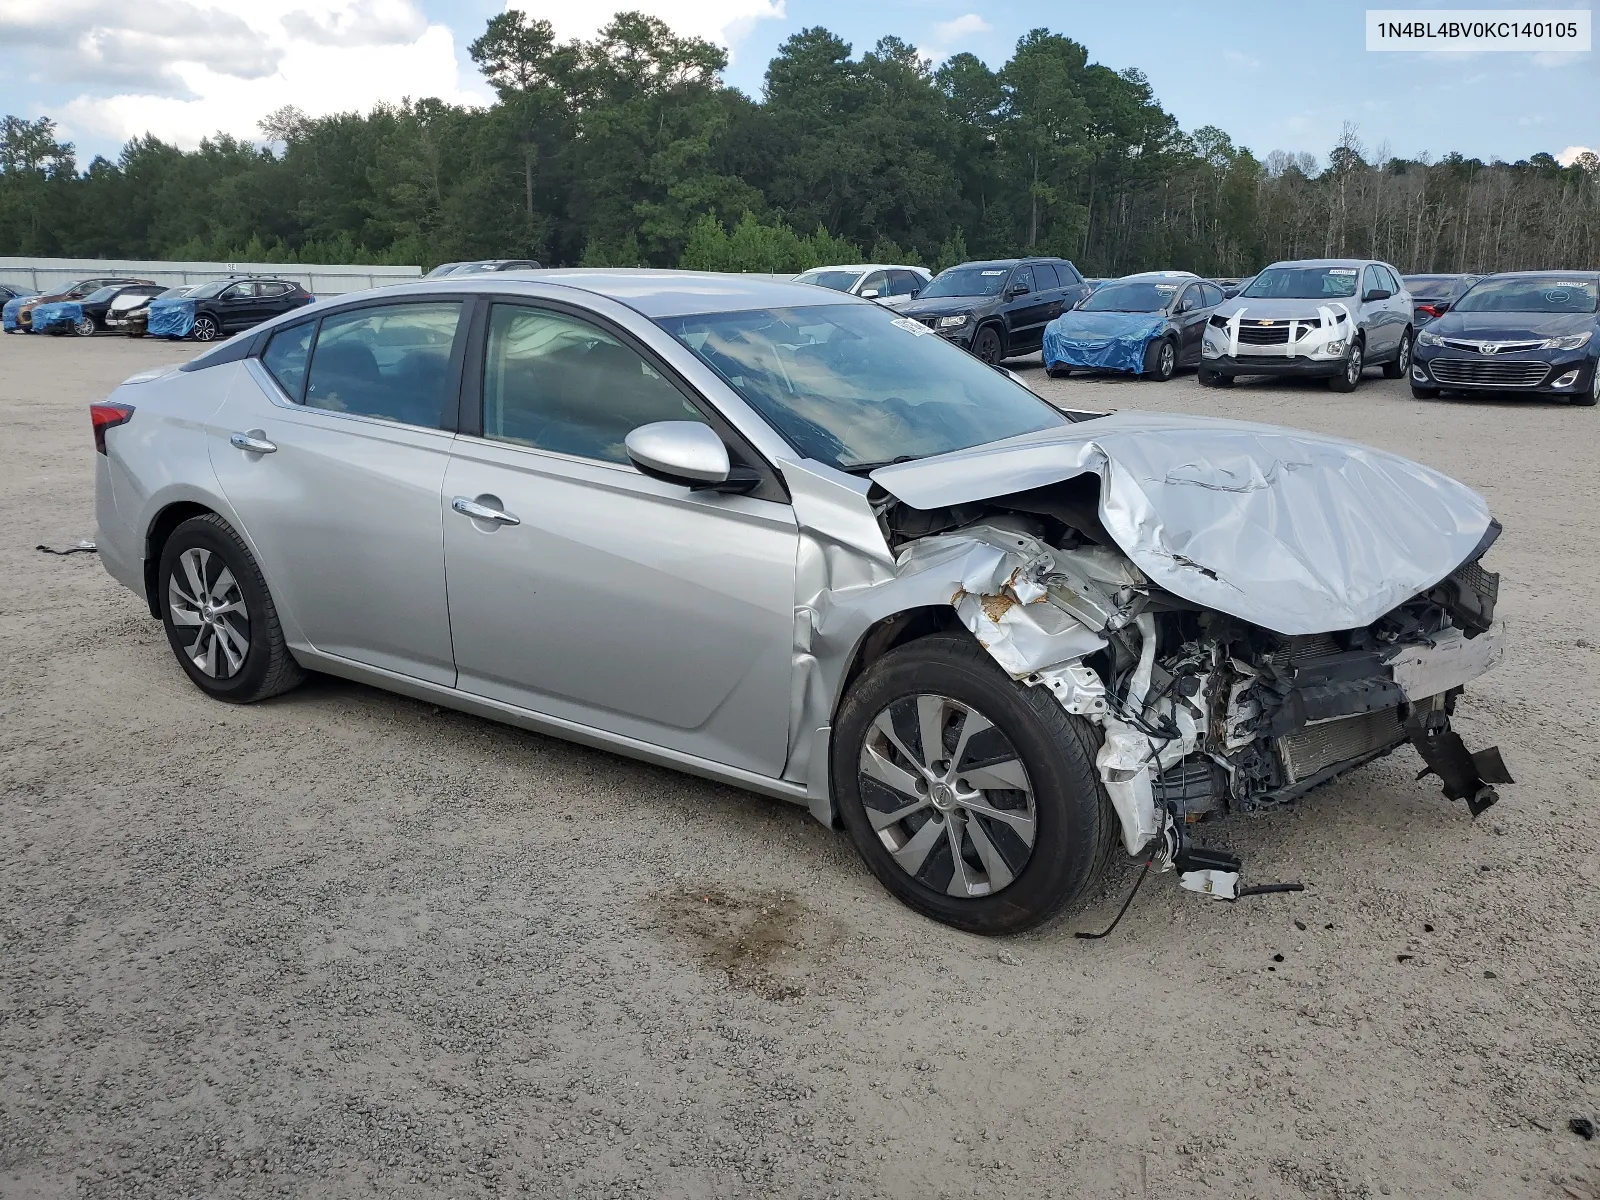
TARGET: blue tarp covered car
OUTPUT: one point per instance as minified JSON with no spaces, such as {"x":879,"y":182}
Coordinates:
{"x":59,"y":316}
{"x":8,"y":314}
{"x":1147,"y":324}
{"x":171,"y":318}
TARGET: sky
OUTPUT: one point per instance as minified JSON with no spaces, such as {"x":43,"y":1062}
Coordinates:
{"x":1274,"y":76}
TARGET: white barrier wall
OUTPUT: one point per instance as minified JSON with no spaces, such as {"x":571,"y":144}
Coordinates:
{"x":49,"y":274}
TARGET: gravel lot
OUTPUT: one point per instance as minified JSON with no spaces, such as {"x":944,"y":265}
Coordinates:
{"x":343,"y":943}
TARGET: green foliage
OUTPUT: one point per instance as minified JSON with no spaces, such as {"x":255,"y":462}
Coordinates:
{"x":628,"y":149}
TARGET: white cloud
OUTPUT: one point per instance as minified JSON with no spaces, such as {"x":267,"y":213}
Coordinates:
{"x":949,"y":33}
{"x":183,"y":69}
{"x":1570,"y":155}
{"x":725,"y":22}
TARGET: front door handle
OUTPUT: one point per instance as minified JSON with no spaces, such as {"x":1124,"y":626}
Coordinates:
{"x":482,"y":512}
{"x":252,"y":442}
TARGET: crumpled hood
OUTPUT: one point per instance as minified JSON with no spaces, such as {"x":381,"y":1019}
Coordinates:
{"x":1510,"y":326}
{"x":1293,"y":531}
{"x":1091,"y":326}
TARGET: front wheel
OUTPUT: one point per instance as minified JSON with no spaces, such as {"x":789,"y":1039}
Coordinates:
{"x":1592,"y":397}
{"x":205,"y":328}
{"x":972,"y":798}
{"x":1401,"y":366}
{"x":219,"y":616}
{"x":84,"y":327}
{"x":987,"y":345}
{"x":1160,"y":360}
{"x":1349,"y":377}
{"x":1058,"y":372}
{"x":1210,"y":378}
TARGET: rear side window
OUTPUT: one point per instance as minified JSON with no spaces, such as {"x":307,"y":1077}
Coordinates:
{"x":285,"y":357}
{"x":903,"y":283}
{"x":1068,"y":272}
{"x":558,"y":383}
{"x":1046,"y":275}
{"x":390,"y":361}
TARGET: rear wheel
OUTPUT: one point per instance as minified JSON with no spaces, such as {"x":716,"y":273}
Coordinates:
{"x":205,"y":328}
{"x":972,"y":798}
{"x":987,"y":345}
{"x":1160,"y":360}
{"x":219,"y":616}
{"x":1210,"y":378}
{"x":1401,"y":366}
{"x":1349,"y":377}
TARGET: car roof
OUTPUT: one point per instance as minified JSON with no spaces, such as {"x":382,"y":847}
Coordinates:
{"x":1324,"y":262}
{"x":1585,"y":276}
{"x":660,"y":293}
{"x":864,"y":267}
{"x":1162,"y":275}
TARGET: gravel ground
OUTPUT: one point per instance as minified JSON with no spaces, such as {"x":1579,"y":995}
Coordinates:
{"x":344,"y":943}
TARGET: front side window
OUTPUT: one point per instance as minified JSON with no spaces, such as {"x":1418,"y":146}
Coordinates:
{"x":1023,"y":280}
{"x":239,"y":291}
{"x":558,"y":383}
{"x":856,"y":387}
{"x":391,"y":361}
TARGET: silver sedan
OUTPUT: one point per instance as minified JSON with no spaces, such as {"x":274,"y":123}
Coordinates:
{"x":782,"y":538}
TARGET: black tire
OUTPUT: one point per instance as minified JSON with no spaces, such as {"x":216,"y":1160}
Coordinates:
{"x":1424,"y":393}
{"x":206,"y":328}
{"x":1590,"y":398}
{"x":266,"y":667}
{"x":1210,"y":378}
{"x":137,"y":331}
{"x":1058,"y":372}
{"x":1072,"y":816}
{"x":1401,"y":366}
{"x":1349,"y":377}
{"x":988,"y":346}
{"x":1160,"y":360}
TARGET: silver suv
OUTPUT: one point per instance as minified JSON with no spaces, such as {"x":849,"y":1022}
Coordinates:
{"x":1326,"y":317}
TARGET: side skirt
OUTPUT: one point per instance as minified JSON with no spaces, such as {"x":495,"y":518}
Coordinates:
{"x":556,"y":727}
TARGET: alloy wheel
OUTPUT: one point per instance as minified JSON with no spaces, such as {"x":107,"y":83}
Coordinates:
{"x":1404,"y":361}
{"x":204,"y":597}
{"x":84,"y":327}
{"x":948,"y":795}
{"x":205,"y":329}
{"x":987,"y":347}
{"x":1352,"y":369}
{"x":1167,"y":362}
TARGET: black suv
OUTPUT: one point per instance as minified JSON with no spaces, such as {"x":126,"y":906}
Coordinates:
{"x":998,"y":309}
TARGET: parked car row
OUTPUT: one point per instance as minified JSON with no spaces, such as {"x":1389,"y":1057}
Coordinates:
{"x":137,"y":307}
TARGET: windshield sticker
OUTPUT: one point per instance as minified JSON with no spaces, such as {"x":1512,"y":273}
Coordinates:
{"x":991,"y":272}
{"x":910,"y":326}
{"x":1566,"y":284}
{"x":1341,"y":270}
{"x":1165,"y":287}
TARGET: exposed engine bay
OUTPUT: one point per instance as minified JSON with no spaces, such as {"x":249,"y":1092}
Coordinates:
{"x":1200,"y":711}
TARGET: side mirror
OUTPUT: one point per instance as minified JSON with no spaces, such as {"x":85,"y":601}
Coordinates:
{"x":868,"y":294}
{"x":915,"y":292}
{"x":1015,"y":290}
{"x":1376,"y":294}
{"x":683,"y":452}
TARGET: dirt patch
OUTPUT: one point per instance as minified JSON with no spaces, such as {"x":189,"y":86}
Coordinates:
{"x":767,"y":942}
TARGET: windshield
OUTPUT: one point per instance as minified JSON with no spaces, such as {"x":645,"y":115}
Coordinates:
{"x":1551,"y":294}
{"x":838,"y":281}
{"x":1303,"y":283}
{"x":103,"y":294}
{"x":856,"y":387}
{"x":1438,"y":287}
{"x":1132,"y":295}
{"x":966,"y":281}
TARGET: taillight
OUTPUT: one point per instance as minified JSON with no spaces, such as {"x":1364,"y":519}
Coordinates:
{"x":1433,"y":310}
{"x":107,"y":416}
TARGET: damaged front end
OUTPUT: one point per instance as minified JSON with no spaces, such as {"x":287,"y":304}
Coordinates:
{"x":1243,"y":612}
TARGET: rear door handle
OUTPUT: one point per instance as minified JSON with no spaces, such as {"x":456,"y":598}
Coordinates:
{"x":251,"y":442}
{"x":482,"y":512}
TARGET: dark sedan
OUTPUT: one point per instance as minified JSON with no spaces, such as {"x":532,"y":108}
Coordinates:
{"x":95,"y":309}
{"x":1531,"y":332}
{"x":998,"y":309}
{"x":1432,"y":295}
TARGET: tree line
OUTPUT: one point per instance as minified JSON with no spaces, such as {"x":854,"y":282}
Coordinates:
{"x":629,"y":149}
